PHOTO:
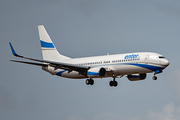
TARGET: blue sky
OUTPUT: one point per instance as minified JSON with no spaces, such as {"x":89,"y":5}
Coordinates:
{"x":87,"y":28}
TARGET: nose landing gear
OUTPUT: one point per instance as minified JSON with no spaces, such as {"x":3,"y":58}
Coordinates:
{"x":154,"y":77}
{"x":156,"y":72}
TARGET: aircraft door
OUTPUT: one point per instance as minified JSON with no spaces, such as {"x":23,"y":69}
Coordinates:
{"x":146,"y":60}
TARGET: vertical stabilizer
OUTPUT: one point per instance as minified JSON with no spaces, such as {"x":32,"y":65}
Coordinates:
{"x":49,"y":51}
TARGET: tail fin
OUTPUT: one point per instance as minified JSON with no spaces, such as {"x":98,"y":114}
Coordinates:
{"x":49,"y":50}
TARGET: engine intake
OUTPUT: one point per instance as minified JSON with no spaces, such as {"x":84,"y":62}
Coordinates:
{"x":102,"y":72}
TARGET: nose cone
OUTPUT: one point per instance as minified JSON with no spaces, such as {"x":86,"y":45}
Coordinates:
{"x":165,"y":62}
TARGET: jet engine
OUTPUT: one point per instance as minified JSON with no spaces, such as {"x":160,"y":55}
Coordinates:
{"x":96,"y":72}
{"x":136,"y":77}
{"x":49,"y":69}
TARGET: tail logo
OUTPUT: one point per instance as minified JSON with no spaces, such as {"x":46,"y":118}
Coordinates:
{"x":46,"y":44}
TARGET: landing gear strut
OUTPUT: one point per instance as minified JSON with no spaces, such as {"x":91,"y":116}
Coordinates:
{"x":114,"y":82}
{"x":154,"y":77}
{"x":90,"y":81}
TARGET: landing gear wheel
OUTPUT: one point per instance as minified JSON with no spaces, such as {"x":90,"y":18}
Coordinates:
{"x":113,"y":83}
{"x":154,"y":78}
{"x":90,"y":82}
{"x":87,"y":82}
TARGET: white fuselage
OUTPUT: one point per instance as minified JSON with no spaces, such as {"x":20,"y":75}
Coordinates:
{"x":118,"y":64}
{"x":134,"y":65}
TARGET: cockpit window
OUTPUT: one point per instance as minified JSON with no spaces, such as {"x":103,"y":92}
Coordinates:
{"x":157,"y":57}
{"x":161,"y":57}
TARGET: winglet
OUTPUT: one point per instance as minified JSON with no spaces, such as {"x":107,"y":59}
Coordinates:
{"x":13,"y":51}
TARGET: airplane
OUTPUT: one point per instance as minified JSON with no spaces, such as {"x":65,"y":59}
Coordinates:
{"x":134,"y":65}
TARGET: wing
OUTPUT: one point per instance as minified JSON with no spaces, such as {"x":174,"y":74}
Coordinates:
{"x":70,"y":67}
{"x":30,"y":63}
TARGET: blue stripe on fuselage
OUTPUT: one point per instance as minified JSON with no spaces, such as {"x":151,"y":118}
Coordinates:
{"x":150,"y":67}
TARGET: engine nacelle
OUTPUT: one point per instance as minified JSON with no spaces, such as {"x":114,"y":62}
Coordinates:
{"x":96,"y":72}
{"x":136,"y":77}
{"x":49,"y":69}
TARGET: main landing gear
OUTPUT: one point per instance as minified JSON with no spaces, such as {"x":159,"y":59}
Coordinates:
{"x":90,"y":81}
{"x":113,"y":82}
